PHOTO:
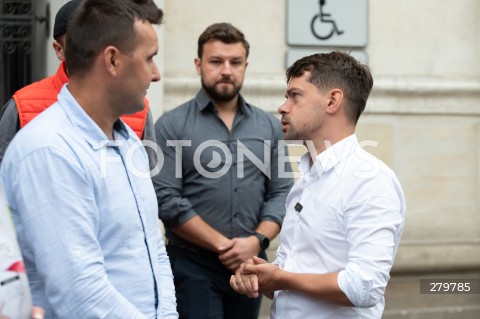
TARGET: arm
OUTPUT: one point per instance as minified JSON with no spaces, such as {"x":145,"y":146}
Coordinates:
{"x":149,"y":141}
{"x":257,"y":276}
{"x":268,"y":228}
{"x":65,"y":251}
{"x":8,"y":126}
{"x":373,"y":222}
{"x":320,"y":286}
{"x":272,"y":211}
{"x":277,"y":186}
{"x":168,"y":304}
{"x":176,"y":211}
{"x":197,"y":231}
{"x":247,"y":247}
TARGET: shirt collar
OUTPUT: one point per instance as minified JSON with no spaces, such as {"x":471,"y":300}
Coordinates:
{"x":204,"y":101}
{"x":331,"y":157}
{"x":89,"y":129}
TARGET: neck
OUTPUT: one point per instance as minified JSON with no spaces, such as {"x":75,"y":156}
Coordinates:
{"x":90,"y":103}
{"x":321,"y":143}
{"x":227,"y":111}
{"x":226,"y":107}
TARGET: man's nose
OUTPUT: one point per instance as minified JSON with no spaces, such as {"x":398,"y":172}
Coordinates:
{"x":156,"y":74}
{"x":226,"y":68}
{"x":282,"y":108}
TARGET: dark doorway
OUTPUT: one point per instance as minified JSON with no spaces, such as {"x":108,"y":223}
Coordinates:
{"x":24,"y":31}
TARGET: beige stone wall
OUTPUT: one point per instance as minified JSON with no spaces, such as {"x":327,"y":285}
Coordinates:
{"x":424,"y":112}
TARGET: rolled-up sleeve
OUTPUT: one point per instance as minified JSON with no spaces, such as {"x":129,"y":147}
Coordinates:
{"x":279,"y":183}
{"x":173,"y":208}
{"x":373,"y":228}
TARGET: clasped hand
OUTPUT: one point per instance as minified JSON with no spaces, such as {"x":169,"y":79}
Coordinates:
{"x":254,"y":277}
{"x":237,"y":251}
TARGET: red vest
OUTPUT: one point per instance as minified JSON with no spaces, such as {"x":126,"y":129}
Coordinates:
{"x":36,"y":97}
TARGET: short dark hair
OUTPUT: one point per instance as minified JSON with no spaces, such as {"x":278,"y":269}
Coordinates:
{"x":97,"y":24}
{"x":224,"y":32}
{"x":337,"y":70}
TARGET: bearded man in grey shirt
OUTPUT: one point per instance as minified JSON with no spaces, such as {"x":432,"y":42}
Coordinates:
{"x":220,"y":192}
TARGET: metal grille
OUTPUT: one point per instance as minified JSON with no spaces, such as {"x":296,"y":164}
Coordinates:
{"x":24,"y":31}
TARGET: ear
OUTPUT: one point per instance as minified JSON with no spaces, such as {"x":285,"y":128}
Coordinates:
{"x":59,"y":52}
{"x":111,"y":60}
{"x":198,"y":63}
{"x":335,"y":100}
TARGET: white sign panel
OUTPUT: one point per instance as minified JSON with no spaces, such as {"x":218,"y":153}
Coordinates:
{"x":327,"y":22}
{"x":293,"y":54}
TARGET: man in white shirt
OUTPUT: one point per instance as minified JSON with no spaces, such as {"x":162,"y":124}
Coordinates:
{"x":345,"y":216}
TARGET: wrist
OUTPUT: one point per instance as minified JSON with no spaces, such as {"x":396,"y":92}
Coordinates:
{"x":264,"y":241}
{"x":223,"y":245}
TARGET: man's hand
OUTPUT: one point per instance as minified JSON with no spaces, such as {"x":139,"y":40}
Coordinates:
{"x":254,"y":277}
{"x":243,"y":283}
{"x":37,"y":313}
{"x":263,"y":275}
{"x":240,"y":251}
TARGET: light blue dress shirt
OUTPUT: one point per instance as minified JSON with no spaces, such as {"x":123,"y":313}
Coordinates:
{"x":86,"y":216}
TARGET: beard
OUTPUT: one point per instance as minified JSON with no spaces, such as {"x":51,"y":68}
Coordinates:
{"x":225,"y":95}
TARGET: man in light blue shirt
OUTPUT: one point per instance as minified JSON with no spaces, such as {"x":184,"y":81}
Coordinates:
{"x":77,"y":178}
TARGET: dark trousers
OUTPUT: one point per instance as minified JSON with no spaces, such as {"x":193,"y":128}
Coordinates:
{"x":202,"y":286}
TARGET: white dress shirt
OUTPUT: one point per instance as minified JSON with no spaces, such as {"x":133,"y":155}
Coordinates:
{"x":351,"y":222}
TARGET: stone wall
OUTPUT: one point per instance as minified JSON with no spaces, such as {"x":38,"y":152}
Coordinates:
{"x":424,"y":112}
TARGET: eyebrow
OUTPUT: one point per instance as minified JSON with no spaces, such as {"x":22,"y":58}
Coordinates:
{"x":236,"y":57}
{"x":290,"y":90}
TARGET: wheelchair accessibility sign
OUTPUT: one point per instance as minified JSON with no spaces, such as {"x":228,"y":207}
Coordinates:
{"x":327,"y":22}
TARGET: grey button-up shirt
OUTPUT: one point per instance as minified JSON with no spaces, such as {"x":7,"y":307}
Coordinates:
{"x":229,"y":178}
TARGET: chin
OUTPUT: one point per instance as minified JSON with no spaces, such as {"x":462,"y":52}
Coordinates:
{"x":137,"y":108}
{"x":140,"y":105}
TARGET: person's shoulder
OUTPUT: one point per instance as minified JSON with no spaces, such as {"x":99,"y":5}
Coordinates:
{"x":9,"y":112}
{"x":371,"y":168}
{"x":266,"y":118}
{"x":41,"y":131}
{"x":33,"y":87}
{"x":263,"y":113}
{"x":178,"y":113}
